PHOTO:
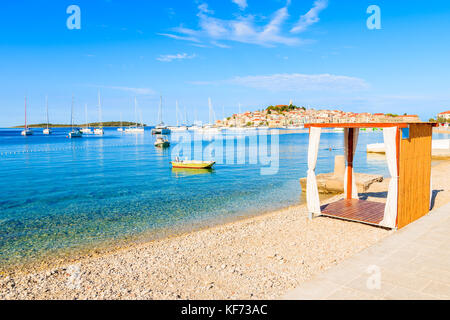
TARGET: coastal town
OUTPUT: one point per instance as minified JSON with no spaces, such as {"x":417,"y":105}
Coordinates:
{"x":292,"y":116}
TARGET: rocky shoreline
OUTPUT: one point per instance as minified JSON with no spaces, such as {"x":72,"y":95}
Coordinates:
{"x":261,"y":257}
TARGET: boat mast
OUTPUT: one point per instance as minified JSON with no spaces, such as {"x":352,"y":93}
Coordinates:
{"x":185,"y":116}
{"x":71,"y":115}
{"x":235,"y":119}
{"x":26,"y":127}
{"x":210,"y":111}
{"x":46,"y":104}
{"x":160,"y":110}
{"x":178,"y":122}
{"x":135,"y":111}
{"x":100,"y":110}
{"x":85,"y":115}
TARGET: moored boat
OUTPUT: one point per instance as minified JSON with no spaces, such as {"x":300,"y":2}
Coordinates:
{"x":162,"y":142}
{"x":26,"y":131}
{"x":99,"y":130}
{"x":192,"y":164}
{"x":161,"y":128}
{"x":47,"y":130}
{"x":75,"y":132}
{"x":136,"y":128}
{"x":86,"y":129}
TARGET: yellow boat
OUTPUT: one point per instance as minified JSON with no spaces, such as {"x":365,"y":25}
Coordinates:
{"x":192,"y":164}
{"x":183,"y":172}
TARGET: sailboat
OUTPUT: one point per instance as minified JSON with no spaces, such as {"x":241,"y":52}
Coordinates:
{"x":196,"y":125}
{"x":26,"y":131}
{"x":99,"y":130}
{"x":210,"y":128}
{"x":135,"y":129}
{"x":74,"y":133}
{"x":120,"y":129}
{"x":86,"y":130}
{"x":161,"y":128}
{"x":178,"y":128}
{"x":47,"y":130}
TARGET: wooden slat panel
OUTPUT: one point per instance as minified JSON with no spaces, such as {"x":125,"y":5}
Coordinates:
{"x":355,"y":210}
{"x":414,"y":173}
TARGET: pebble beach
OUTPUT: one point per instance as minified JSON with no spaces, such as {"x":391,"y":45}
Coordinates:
{"x":262,"y":257}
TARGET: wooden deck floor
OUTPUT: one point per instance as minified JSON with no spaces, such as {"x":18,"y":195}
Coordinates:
{"x":355,"y":210}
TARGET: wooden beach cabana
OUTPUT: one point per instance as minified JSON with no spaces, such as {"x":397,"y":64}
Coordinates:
{"x":408,"y":156}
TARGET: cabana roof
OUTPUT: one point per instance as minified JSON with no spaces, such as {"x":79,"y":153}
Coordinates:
{"x":366,"y":125}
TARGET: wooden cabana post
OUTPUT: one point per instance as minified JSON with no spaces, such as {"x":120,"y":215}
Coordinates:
{"x":350,"y":163}
{"x":408,"y":155}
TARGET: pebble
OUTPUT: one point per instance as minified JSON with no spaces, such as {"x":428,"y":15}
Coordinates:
{"x":259,"y":262}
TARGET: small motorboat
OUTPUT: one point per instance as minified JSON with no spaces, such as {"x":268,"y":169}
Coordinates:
{"x":162,"y":142}
{"x":192,"y":164}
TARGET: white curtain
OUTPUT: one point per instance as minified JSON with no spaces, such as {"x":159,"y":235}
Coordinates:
{"x":312,"y":192}
{"x":355,"y":143}
{"x":390,"y":211}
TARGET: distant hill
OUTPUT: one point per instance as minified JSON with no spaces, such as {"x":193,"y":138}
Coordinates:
{"x":283,"y":108}
{"x":93,"y":124}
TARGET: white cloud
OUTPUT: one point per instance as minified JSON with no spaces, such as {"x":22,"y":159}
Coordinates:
{"x":171,"y":57}
{"x":241,"y":3}
{"x":311,"y":17}
{"x":240,"y":29}
{"x":176,"y":37}
{"x":297,"y":82}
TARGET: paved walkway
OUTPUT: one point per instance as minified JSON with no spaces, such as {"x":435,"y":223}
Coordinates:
{"x":412,"y":263}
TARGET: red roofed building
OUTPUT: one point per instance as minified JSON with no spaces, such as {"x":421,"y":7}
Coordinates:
{"x":444,"y":115}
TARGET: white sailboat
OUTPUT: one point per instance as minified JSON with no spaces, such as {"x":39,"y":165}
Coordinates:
{"x":135,"y":129}
{"x":99,"y":130}
{"x":210,"y":128}
{"x":26,"y":131}
{"x":161,"y":128}
{"x":47,"y":130}
{"x":120,"y":129}
{"x":75,"y":132}
{"x":86,"y":130}
{"x":196,"y":125}
{"x":178,"y":128}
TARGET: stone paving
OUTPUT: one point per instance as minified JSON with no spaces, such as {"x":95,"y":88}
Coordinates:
{"x":412,"y":263}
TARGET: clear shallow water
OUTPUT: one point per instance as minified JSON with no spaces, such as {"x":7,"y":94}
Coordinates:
{"x":59,"y":195}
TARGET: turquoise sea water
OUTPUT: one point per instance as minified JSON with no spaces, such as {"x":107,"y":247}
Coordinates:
{"x":59,"y":195}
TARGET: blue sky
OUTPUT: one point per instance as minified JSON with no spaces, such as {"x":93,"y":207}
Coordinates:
{"x":318,"y":53}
